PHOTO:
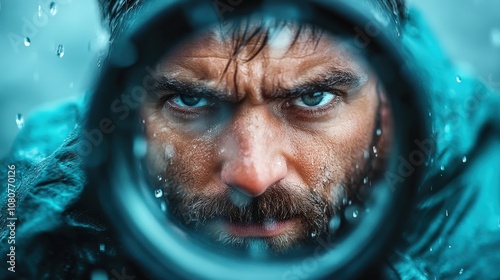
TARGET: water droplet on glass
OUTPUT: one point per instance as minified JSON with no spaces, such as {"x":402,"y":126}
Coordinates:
{"x":355,"y":213}
{"x":53,"y":8}
{"x":495,"y":37}
{"x":334,"y":224}
{"x":158,"y":193}
{"x":19,"y":121}
{"x":140,"y":147}
{"x":27,"y":41}
{"x":461,"y":271}
{"x":60,"y":51}
{"x":447,"y":128}
{"x":379,"y":131}
{"x":464,"y":159}
{"x":102,"y":247}
{"x":458,"y":79}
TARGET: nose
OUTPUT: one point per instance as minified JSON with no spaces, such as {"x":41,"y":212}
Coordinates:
{"x":253,"y":160}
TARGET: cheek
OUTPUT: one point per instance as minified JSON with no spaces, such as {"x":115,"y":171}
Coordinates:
{"x":184,"y":158}
{"x":330,"y":154}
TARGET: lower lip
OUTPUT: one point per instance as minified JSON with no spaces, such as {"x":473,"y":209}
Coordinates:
{"x":269,"y":229}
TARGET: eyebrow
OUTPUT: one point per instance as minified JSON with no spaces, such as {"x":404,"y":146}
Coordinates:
{"x":339,"y":79}
{"x":334,"y":79}
{"x":178,"y":87}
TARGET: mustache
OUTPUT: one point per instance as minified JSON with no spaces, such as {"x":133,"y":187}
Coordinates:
{"x":278,"y":202}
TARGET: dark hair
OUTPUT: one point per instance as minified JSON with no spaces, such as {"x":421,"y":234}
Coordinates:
{"x":116,"y":12}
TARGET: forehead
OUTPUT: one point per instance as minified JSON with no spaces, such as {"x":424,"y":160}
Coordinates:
{"x":284,"y":53}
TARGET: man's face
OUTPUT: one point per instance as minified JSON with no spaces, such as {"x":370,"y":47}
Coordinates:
{"x":259,"y":147}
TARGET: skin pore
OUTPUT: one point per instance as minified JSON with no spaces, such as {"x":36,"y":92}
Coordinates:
{"x":257,"y":148}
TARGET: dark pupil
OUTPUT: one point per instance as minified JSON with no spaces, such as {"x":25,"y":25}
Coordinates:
{"x":312,"y":99}
{"x":190,"y":100}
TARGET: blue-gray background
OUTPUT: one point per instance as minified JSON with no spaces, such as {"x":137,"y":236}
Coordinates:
{"x":34,"y":76}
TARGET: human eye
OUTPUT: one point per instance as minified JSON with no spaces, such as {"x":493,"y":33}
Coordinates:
{"x":187,"y":106}
{"x":187,"y":101}
{"x":316,"y":99}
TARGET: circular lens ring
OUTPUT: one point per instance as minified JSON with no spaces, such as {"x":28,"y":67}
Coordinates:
{"x":113,"y":169}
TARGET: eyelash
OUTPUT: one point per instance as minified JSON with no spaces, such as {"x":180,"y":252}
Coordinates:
{"x":313,"y":112}
{"x":165,"y":102}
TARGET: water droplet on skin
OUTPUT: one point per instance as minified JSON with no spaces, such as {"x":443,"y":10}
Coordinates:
{"x":355,"y":213}
{"x":169,"y":152}
{"x":375,"y":150}
{"x":430,"y":249}
{"x":461,"y":271}
{"x":158,"y":193}
{"x":365,"y":180}
{"x":163,"y":206}
{"x":155,"y":134}
{"x":449,"y":246}
{"x":357,"y":166}
{"x":430,"y":114}
{"x":464,"y":159}
{"x":53,"y":8}
{"x":442,"y":168}
{"x":159,"y":178}
{"x":39,"y":10}
{"x":60,"y":51}
{"x":458,"y":79}
{"x":379,"y":131}
{"x":19,"y":121}
{"x":344,"y":202}
{"x":27,"y":41}
{"x":313,"y":234}
{"x":446,"y":213}
{"x":239,"y":199}
{"x":102,"y":247}
{"x":366,"y":154}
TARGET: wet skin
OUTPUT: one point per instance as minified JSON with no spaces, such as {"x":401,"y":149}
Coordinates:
{"x":283,"y":135}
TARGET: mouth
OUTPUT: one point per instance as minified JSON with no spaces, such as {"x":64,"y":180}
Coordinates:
{"x":270,"y":228}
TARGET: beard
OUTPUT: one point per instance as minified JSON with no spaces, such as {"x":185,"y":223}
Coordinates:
{"x":208,"y":213}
